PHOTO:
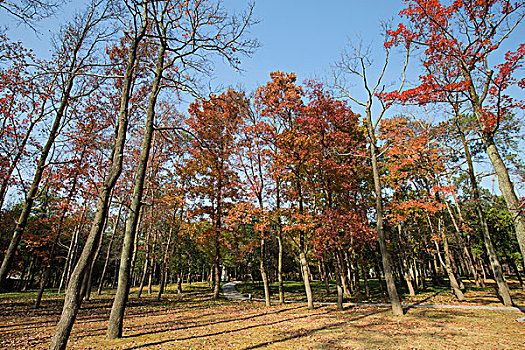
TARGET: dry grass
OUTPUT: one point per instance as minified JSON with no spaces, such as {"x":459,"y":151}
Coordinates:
{"x":194,"y":321}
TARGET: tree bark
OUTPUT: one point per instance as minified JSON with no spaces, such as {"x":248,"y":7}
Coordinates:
{"x":385,"y":254}
{"x":119,"y":304}
{"x":264,"y":276}
{"x":495,"y":265}
{"x":72,"y":301}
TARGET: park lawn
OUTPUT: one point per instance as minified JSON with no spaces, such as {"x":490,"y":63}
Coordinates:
{"x":442,"y":294}
{"x":193,"y":320}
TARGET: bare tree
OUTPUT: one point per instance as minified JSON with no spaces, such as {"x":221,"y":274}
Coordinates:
{"x":355,"y":64}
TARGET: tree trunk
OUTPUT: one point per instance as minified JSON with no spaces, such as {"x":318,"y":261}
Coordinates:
{"x":344,"y":271}
{"x":143,"y":278}
{"x":68,"y":263}
{"x":179,"y":282}
{"x":385,"y":254}
{"x":280,"y":243}
{"x":338,"y":278}
{"x":446,"y":264}
{"x":87,"y":290}
{"x":280,"y":267}
{"x":495,"y":265}
{"x":324,"y":276}
{"x":509,"y":194}
{"x":216,"y":278}
{"x":306,"y":279}
{"x":72,"y":301}
{"x":404,"y":262}
{"x":119,"y":304}
{"x":264,"y":276}
{"x":145,"y":267}
{"x":518,"y":276}
{"x":108,"y":253}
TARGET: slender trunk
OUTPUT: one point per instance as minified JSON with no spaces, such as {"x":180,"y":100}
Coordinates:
{"x":68,"y":261}
{"x":87,"y":290}
{"x":179,"y":282}
{"x":446,"y":264}
{"x":517,"y":273}
{"x":264,"y":276}
{"x":509,"y":194}
{"x":466,"y":251}
{"x":104,"y":269}
{"x":72,"y":301}
{"x":216,"y":278}
{"x":324,"y":276}
{"x":108,"y":253}
{"x":280,"y":243}
{"x":495,"y":265}
{"x":404,"y":261}
{"x":306,"y":279}
{"x":119,"y":304}
{"x":338,"y":278}
{"x":365,"y":280}
{"x":143,"y":278}
{"x":302,"y":254}
{"x":58,"y":234}
{"x":164,"y":269}
{"x":344,"y":276}
{"x":146,"y":265}
{"x":385,"y":254}
{"x":151,"y":275}
{"x":379,"y":274}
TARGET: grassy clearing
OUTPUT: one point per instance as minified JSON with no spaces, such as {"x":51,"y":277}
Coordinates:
{"x":294,"y":290}
{"x":193,"y":320}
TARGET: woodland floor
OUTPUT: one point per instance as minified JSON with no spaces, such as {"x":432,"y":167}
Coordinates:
{"x":192,"y":320}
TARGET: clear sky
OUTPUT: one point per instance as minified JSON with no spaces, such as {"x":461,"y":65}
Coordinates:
{"x":307,"y":36}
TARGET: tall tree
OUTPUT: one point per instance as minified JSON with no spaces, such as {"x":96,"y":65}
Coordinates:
{"x":280,"y":100}
{"x":214,"y":124}
{"x":356,"y":64}
{"x":72,"y":63}
{"x":73,"y":297}
{"x":463,"y":41}
{"x":184,"y":33}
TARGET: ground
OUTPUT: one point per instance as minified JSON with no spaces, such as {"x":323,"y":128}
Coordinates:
{"x":193,"y":320}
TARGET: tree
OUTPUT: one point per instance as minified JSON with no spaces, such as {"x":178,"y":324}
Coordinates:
{"x":462,"y":43}
{"x":214,"y":124}
{"x":72,"y":63}
{"x":73,"y":297}
{"x":356,"y":64}
{"x":186,"y":33}
{"x":281,"y":101}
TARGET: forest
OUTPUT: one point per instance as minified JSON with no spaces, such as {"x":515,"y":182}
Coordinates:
{"x":127,"y":178}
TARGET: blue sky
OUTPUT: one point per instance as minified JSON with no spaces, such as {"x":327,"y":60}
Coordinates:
{"x":307,"y":36}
